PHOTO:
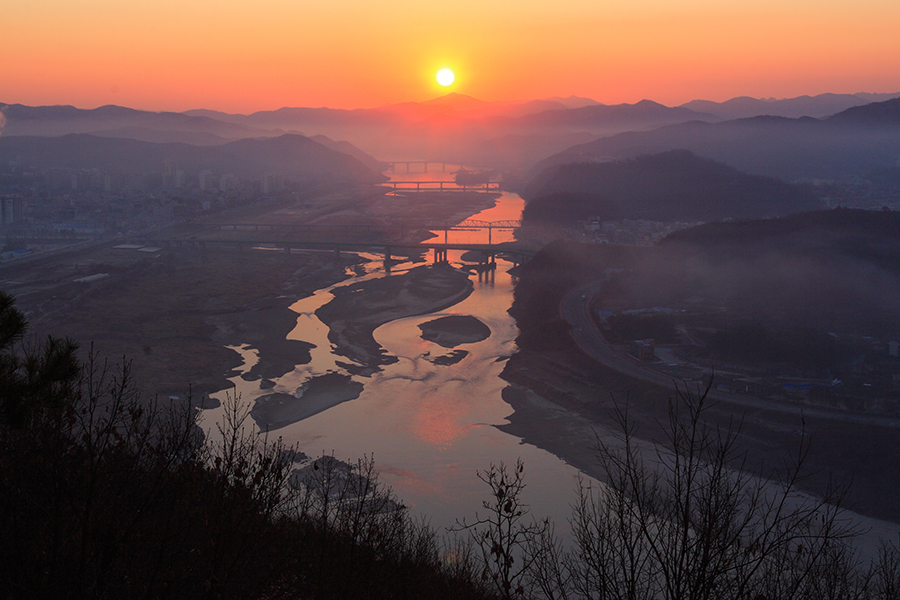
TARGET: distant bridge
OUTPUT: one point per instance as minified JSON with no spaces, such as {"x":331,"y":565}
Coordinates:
{"x":424,"y":163}
{"x":492,"y":187}
{"x":487,"y":252}
{"x":369,"y":232}
{"x":383,"y":238}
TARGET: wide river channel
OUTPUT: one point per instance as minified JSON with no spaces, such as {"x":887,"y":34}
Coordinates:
{"x":430,"y":428}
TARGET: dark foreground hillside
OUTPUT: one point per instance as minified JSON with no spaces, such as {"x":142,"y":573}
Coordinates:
{"x":106,"y":495}
{"x":103,"y":495}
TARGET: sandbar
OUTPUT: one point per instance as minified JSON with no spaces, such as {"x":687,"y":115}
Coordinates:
{"x":453,"y":330}
{"x":360,"y":308}
{"x":277,"y":410}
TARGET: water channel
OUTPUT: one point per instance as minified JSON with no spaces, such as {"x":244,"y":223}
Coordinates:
{"x":430,"y":428}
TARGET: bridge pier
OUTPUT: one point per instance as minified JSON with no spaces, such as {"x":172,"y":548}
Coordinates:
{"x":486,"y":276}
{"x":440,"y":255}
{"x":488,"y":260}
{"x":388,"y":260}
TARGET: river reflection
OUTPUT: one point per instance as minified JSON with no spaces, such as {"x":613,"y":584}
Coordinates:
{"x":429,"y":427}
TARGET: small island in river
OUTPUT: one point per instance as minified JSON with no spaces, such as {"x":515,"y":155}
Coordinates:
{"x":359,"y":308}
{"x":454,"y":330}
{"x":277,"y":410}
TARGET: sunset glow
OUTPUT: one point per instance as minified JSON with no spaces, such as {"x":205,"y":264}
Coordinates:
{"x":350,"y":54}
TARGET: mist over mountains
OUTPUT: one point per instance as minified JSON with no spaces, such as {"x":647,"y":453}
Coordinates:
{"x":853,"y":143}
{"x":791,"y":138}
{"x":293,"y":155}
{"x":819,"y":106}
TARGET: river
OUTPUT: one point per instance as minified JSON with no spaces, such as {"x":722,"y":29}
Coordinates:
{"x":430,"y":428}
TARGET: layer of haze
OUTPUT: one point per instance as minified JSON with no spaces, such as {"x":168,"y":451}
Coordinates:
{"x":237,"y":57}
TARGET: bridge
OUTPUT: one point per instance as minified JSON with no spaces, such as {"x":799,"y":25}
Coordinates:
{"x":386,"y":239}
{"x":396,"y":231}
{"x":491,"y":187}
{"x":424,"y":163}
{"x":487,"y":252}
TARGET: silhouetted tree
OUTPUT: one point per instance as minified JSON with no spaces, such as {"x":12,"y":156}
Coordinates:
{"x":504,"y":536}
{"x":33,"y":377}
{"x":685,"y":520}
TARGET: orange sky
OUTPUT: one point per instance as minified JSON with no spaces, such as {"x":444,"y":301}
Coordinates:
{"x":242,"y":57}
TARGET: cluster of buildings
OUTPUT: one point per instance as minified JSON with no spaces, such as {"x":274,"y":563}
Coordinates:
{"x":56,"y":203}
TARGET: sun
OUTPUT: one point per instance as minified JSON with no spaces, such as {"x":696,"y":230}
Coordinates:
{"x":445,"y":77}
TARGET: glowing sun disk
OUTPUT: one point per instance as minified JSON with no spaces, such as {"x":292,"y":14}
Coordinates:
{"x":445,"y":77}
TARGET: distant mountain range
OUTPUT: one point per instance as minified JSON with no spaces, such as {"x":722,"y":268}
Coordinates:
{"x":851,"y":144}
{"x":462,"y":129}
{"x":819,"y":106}
{"x":294,"y":156}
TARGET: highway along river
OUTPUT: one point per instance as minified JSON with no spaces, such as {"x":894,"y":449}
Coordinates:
{"x":429,"y":426}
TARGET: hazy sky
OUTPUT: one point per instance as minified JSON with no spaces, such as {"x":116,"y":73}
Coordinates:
{"x":243,"y":56}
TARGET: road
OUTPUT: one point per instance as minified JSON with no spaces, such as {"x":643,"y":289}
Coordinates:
{"x":575,"y":309}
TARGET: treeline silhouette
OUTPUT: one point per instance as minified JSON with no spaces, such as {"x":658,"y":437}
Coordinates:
{"x":103,"y":495}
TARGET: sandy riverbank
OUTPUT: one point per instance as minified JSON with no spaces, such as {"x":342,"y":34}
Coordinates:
{"x":171,"y":313}
{"x":360,"y":308}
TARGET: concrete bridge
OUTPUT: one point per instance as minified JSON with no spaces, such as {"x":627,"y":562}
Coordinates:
{"x":393,"y":164}
{"x":379,"y":233}
{"x":394,"y":239}
{"x":491,"y":187}
{"x":488,"y":253}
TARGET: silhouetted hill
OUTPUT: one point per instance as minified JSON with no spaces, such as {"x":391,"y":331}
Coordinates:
{"x":876,"y":114}
{"x":866,"y":236}
{"x":835,"y":270}
{"x":293,"y":155}
{"x":459,"y":128}
{"x":62,"y":120}
{"x":842,"y":147}
{"x":163,"y":136}
{"x":572,"y":101}
{"x":672,"y":186}
{"x":643,"y":114}
{"x":351,"y":150}
{"x":514,"y":135}
{"x":819,"y":106}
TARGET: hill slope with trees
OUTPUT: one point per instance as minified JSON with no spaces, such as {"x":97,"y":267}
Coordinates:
{"x":671,"y":186}
{"x":848,"y":145}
